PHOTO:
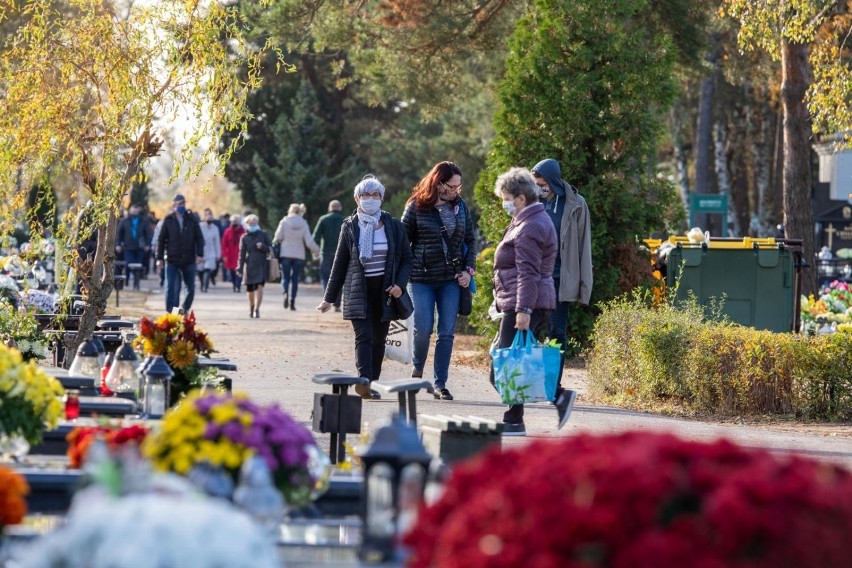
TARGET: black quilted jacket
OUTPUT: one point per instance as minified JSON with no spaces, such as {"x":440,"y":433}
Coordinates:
{"x":348,"y":273}
{"x":429,"y":263}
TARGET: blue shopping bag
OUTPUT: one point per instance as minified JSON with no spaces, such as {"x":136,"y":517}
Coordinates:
{"x":526,"y":371}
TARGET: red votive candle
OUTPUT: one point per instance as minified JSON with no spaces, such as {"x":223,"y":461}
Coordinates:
{"x":72,"y":404}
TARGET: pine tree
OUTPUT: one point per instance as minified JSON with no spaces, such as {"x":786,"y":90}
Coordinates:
{"x":586,"y":83}
{"x":300,"y":169}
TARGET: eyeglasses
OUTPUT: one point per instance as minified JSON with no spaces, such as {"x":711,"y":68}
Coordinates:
{"x":372,"y":194}
{"x":452,"y":187}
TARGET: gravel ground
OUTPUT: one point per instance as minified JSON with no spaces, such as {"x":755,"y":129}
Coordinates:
{"x":278,"y":354}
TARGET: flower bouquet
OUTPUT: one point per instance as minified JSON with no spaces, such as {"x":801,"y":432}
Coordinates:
{"x":29,"y":399}
{"x":13,"y":490}
{"x":180,"y":342}
{"x":80,"y":439}
{"x":639,"y":500}
{"x":224,"y":430}
{"x":20,"y":326}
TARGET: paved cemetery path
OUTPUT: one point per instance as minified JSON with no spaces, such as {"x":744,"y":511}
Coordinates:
{"x":279,"y":353}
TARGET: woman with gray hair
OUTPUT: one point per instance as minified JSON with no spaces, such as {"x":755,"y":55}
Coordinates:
{"x":523,"y":273}
{"x":254,"y":248}
{"x":372,"y":264}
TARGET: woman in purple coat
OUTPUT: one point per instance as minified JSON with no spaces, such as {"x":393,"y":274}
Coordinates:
{"x":523,"y":275}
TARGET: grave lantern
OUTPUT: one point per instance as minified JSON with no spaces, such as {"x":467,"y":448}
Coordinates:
{"x":395,"y":468}
{"x":158,"y":377}
{"x":122,"y":374}
{"x":86,"y":363}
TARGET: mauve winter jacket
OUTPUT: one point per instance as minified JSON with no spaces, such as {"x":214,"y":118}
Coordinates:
{"x":523,"y":262}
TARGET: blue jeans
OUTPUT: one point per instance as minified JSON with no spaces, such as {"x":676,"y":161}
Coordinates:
{"x":291,"y":271}
{"x":133,"y":257}
{"x":557,"y":328}
{"x":175,"y":276}
{"x":426,"y":297}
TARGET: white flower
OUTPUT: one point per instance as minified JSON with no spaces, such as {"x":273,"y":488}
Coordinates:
{"x":153,"y":531}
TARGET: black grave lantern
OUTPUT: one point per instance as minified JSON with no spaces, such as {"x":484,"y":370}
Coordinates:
{"x":395,"y":468}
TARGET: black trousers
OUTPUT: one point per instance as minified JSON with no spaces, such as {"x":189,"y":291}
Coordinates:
{"x":371,"y":333}
{"x":538,"y":325}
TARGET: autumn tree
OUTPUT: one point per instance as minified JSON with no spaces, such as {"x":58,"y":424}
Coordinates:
{"x":92,"y":85}
{"x":808,"y":37}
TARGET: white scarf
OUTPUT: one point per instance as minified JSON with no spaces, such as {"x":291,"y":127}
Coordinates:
{"x":368,"y":230}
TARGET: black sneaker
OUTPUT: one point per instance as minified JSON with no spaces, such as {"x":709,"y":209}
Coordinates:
{"x":442,"y":394}
{"x":510,"y":429}
{"x":564,"y":405}
{"x":417,"y":373}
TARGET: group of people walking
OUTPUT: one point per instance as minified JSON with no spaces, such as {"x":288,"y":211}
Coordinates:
{"x":542,"y":264}
{"x":371,"y":264}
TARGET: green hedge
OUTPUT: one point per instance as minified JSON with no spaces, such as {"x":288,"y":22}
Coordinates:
{"x":675,"y":358}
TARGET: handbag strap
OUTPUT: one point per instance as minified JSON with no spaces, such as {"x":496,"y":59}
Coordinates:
{"x":455,"y":261}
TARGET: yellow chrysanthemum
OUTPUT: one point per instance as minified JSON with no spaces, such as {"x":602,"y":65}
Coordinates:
{"x":181,"y":354}
{"x":224,"y":413}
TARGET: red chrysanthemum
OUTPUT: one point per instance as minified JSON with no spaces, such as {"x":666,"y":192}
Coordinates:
{"x":637,"y":500}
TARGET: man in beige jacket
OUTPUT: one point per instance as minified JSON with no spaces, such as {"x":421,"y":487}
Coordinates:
{"x":572,"y":273}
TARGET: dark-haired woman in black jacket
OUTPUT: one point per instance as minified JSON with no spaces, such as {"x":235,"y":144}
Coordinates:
{"x":372,"y":262}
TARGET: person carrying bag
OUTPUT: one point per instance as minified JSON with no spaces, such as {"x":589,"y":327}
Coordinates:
{"x":525,"y":296}
{"x":438,"y":283}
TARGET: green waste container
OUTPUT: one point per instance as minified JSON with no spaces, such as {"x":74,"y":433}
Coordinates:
{"x":755,"y":283}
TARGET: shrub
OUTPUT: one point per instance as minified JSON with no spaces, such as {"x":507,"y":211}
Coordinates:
{"x":678,"y":357}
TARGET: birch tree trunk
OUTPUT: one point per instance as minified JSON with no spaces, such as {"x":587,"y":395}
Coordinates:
{"x":720,"y":142}
{"x":798,"y":216}
{"x":763,"y":170}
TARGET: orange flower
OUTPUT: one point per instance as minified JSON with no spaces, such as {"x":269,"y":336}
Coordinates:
{"x":13,"y":489}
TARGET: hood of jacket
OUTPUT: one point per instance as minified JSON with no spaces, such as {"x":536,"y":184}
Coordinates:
{"x":549,"y":170}
{"x":294,"y":224}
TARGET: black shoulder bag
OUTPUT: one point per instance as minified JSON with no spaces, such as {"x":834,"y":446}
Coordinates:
{"x":401,"y":307}
{"x":465,"y":295}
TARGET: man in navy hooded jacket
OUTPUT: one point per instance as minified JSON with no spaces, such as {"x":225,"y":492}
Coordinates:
{"x":572,"y":273}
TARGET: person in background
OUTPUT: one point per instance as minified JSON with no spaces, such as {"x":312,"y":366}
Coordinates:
{"x":523,"y":275}
{"x":294,"y":234}
{"x":180,"y":247}
{"x":438,"y":270}
{"x":572,"y":271}
{"x":231,"y":251}
{"x":155,"y":239}
{"x":133,"y":241}
{"x":372,"y":263}
{"x":326,"y":234}
{"x":254,"y":264}
{"x":212,"y":250}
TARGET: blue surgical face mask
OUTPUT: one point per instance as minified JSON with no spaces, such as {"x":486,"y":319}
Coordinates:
{"x":510,"y":207}
{"x":370,"y":206}
{"x":253,"y":228}
{"x":181,"y":209}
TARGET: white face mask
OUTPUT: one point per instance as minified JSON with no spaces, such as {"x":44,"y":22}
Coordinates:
{"x":370,"y":206}
{"x":510,"y":207}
